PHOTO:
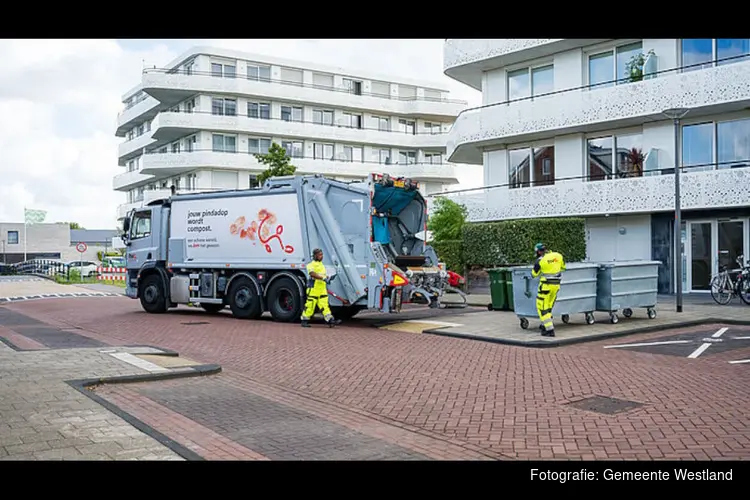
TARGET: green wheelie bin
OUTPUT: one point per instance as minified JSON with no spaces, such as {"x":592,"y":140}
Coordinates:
{"x":509,"y":289}
{"x":498,"y":289}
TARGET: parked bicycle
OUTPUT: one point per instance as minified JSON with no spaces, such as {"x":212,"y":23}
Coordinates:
{"x":724,"y":287}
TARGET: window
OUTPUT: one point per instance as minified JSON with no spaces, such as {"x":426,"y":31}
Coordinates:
{"x":253,"y":181}
{"x":528,"y":82}
{"x":353,"y":86}
{"x":258,"y":146}
{"x":354,"y":153}
{"x":190,"y":180}
{"x":190,"y":143}
{"x":433,"y":128}
{"x":323,"y":151}
{"x":384,"y":124}
{"x":259,"y":73}
{"x":615,"y":157}
{"x":259,"y":110}
{"x":385,"y":156}
{"x":291,"y":114}
{"x":223,"y":70}
{"x":224,"y":143}
{"x":698,"y":147}
{"x":733,"y":143}
{"x":407,"y":126}
{"x":352,"y":120}
{"x":322,"y":117}
{"x":227,"y":107}
{"x":188,"y":68}
{"x":176,"y":147}
{"x":531,"y":166}
{"x":701,"y":53}
{"x":189,"y":107}
{"x":407,"y":157}
{"x":434,"y":158}
{"x":294,"y":149}
{"x":605,"y":67}
{"x":141,"y":225}
{"x":12,"y":237}
{"x":162,"y":150}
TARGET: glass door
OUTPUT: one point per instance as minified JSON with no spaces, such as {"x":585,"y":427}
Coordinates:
{"x":701,"y":263}
{"x":731,"y":239}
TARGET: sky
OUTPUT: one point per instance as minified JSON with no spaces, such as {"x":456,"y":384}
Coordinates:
{"x":59,"y":101}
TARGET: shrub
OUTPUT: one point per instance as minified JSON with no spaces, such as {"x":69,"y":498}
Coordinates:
{"x":452,"y":253}
{"x":512,"y":242}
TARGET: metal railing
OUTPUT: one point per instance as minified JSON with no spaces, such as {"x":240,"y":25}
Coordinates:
{"x":648,"y":76}
{"x":38,"y":267}
{"x":192,"y":72}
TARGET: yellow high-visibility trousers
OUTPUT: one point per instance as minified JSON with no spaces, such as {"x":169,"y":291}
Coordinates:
{"x":545,"y":301}
{"x":319,"y":302}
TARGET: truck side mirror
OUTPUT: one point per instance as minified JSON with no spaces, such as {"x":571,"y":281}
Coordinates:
{"x":126,"y":226}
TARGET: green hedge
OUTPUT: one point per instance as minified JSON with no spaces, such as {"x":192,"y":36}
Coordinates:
{"x":512,"y":242}
{"x":452,"y":253}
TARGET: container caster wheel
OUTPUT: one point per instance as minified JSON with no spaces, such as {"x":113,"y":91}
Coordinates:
{"x":524,"y":323}
{"x":627,"y":312}
{"x":489,"y":307}
{"x":651,"y":313}
{"x":565,"y":319}
{"x":613,"y":318}
{"x":589,"y":319}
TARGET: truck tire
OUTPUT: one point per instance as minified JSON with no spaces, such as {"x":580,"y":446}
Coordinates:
{"x":153,"y":298}
{"x":283,"y":300}
{"x":244,"y":300}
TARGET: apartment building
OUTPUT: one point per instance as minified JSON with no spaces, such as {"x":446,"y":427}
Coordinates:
{"x":584,"y":127}
{"x":197,"y":123}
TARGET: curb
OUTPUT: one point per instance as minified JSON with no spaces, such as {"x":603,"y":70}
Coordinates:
{"x":84,"y":386}
{"x":591,"y":338}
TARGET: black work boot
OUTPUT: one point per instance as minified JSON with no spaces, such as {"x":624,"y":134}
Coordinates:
{"x":333,"y":322}
{"x":548,"y":333}
{"x":305,"y":324}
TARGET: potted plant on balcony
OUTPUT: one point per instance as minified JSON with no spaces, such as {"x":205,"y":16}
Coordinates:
{"x":635,"y":159}
{"x":634,"y":67}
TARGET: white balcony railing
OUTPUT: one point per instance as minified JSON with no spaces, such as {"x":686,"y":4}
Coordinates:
{"x":126,"y":179}
{"x":127,"y":117}
{"x":582,"y":109}
{"x":175,"y":163}
{"x":133,"y":147}
{"x":159,"y":84}
{"x":310,"y":131}
{"x":725,"y":188}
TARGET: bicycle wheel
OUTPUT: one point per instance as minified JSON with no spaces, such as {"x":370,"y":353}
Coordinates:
{"x":721,"y":291}
{"x":743,"y":290}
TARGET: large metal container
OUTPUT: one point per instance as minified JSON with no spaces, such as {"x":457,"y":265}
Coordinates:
{"x":577,"y":293}
{"x":627,"y":285}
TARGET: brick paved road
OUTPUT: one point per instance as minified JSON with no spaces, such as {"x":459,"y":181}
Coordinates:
{"x":433,"y":396}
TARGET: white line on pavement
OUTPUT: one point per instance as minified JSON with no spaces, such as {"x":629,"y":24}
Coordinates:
{"x":720,"y":332}
{"x":140,"y":363}
{"x":664,"y":342}
{"x":741,"y":338}
{"x":739,"y":361}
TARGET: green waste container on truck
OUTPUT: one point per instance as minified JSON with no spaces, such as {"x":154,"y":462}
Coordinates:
{"x":498,"y":289}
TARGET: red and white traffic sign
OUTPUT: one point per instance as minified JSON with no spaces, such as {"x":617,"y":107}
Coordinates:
{"x":81,"y":247}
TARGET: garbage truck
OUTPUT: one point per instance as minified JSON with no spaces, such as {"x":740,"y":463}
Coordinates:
{"x":248,"y":249}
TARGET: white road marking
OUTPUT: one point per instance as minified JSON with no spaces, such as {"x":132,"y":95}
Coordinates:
{"x":140,"y":363}
{"x":706,"y":345}
{"x":739,"y":361}
{"x":741,"y":338}
{"x":665,"y":342}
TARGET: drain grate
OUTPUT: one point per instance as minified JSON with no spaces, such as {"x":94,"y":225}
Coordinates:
{"x":192,"y":323}
{"x":605,"y":405}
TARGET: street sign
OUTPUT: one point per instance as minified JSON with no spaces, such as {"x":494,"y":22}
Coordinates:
{"x":81,"y":247}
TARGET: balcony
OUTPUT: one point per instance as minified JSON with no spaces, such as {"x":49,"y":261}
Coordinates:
{"x":132,"y":148}
{"x":149,"y":195}
{"x":466,"y":59}
{"x":718,"y":89}
{"x":140,"y":112}
{"x":127,"y":179}
{"x":173,"y":126}
{"x":172,"y":88}
{"x":725,"y":188}
{"x":166,"y":164}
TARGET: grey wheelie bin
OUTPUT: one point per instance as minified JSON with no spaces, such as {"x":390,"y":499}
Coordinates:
{"x":626,"y":285}
{"x":577,"y":293}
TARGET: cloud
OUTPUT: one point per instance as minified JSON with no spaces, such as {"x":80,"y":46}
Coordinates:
{"x":59,"y":101}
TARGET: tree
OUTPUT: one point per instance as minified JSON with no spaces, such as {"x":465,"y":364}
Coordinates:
{"x":447,"y":220}
{"x":277,"y":163}
{"x":73,"y":225}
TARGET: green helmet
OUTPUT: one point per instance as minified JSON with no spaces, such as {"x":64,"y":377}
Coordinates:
{"x":539,"y":247}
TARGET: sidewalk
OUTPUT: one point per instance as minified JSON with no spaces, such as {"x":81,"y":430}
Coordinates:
{"x":504,"y":326}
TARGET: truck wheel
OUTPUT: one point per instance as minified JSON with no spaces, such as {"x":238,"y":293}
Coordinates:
{"x":244,"y":300}
{"x":284,"y":301}
{"x":153,"y":299}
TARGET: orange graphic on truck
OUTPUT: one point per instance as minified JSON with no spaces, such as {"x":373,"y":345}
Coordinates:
{"x":260,"y":229}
